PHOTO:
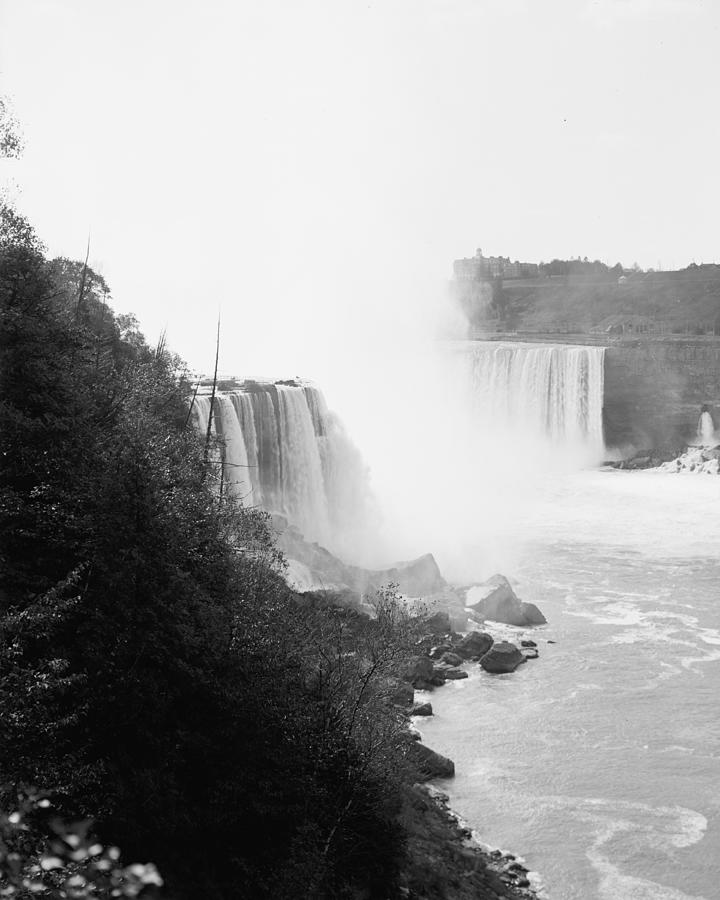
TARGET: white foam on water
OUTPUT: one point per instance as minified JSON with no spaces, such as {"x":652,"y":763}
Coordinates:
{"x":661,"y":828}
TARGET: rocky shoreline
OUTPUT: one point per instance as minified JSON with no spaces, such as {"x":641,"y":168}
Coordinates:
{"x":446,"y":858}
{"x":700,"y":459}
{"x":446,"y":861}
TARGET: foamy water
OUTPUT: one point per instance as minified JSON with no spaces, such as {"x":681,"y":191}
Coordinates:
{"x":600,"y":762}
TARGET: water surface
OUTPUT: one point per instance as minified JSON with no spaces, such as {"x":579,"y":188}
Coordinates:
{"x":599,"y":762}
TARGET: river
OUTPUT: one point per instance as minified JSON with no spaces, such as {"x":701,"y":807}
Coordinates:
{"x":599,"y":762}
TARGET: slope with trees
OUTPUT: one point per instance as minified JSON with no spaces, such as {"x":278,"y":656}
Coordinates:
{"x":157,"y":675}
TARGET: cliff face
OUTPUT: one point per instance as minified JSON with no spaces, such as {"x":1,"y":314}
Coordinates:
{"x":654,"y":388}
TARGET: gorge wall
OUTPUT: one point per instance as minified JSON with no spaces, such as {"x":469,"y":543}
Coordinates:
{"x":655,"y":387}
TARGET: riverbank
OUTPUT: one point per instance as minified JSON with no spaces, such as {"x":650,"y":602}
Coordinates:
{"x":446,"y":862}
{"x":446,"y":859}
{"x":597,"y":762}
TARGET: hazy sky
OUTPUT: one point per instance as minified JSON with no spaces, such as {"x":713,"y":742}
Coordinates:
{"x":313,"y":167}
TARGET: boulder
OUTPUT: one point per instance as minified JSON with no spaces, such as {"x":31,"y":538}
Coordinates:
{"x":496,"y":600}
{"x":312,"y":567}
{"x":494,"y":590}
{"x":429,"y":763}
{"x":402,"y":694}
{"x":452,"y":659}
{"x":417,"y":669}
{"x":437,"y":652}
{"x":438,"y":623}
{"x":448,"y":673}
{"x":474,"y":645}
{"x":528,"y":644}
{"x":416,"y":577}
{"x":530,"y":653}
{"x":501,"y":658}
{"x":453,"y":674}
{"x":421,"y":709}
{"x":450,"y":601}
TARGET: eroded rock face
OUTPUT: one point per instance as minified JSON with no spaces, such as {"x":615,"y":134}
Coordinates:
{"x":497,"y":601}
{"x":421,"y":709}
{"x":431,"y":764}
{"x":312,"y":567}
{"x":416,"y":578}
{"x":503,"y":657}
{"x":474,"y":645}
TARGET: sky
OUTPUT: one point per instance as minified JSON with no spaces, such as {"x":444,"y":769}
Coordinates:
{"x":311,"y":168}
{"x":308,"y":170}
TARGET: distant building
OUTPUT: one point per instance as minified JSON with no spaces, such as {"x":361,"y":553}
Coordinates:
{"x":486,"y":268}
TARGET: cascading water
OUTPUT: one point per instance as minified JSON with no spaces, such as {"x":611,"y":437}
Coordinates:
{"x":551,"y":392}
{"x":706,"y":429}
{"x":280,"y":448}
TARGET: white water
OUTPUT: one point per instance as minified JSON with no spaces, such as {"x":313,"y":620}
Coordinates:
{"x":280,"y":448}
{"x":540,"y":391}
{"x":706,"y":430}
{"x":600,"y":761}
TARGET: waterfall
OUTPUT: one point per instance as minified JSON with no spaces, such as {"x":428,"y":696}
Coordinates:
{"x":706,"y":429}
{"x":552,"y":392}
{"x":280,"y":448}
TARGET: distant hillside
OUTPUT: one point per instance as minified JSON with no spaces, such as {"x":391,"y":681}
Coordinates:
{"x":684,"y":302}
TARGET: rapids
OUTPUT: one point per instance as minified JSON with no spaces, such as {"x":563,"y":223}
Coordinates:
{"x":600,"y":761}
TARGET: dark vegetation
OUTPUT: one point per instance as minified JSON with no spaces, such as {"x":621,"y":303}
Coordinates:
{"x":157,"y":676}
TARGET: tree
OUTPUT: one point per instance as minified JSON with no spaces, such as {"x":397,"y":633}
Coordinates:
{"x":11,"y":142}
{"x":156,"y":672}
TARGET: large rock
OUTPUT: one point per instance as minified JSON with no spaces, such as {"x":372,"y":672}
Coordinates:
{"x":402,"y":694}
{"x":416,"y":577}
{"x":474,"y":645}
{"x":452,"y":659}
{"x":438,"y":623}
{"x":417,"y":669}
{"x":450,"y":602}
{"x":430,"y":764}
{"x":494,"y":590}
{"x":438,"y":651}
{"x":453,"y":674}
{"x":447,"y":673}
{"x":497,"y":601}
{"x":312,"y":567}
{"x":501,"y":658}
{"x":421,"y":709}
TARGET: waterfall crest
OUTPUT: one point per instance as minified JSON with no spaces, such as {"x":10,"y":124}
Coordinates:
{"x":552,"y":392}
{"x":282,"y":449}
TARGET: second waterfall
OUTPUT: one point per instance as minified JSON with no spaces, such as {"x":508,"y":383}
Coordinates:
{"x":551,"y":392}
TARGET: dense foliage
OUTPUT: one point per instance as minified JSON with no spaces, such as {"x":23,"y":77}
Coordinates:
{"x":156,"y":674}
